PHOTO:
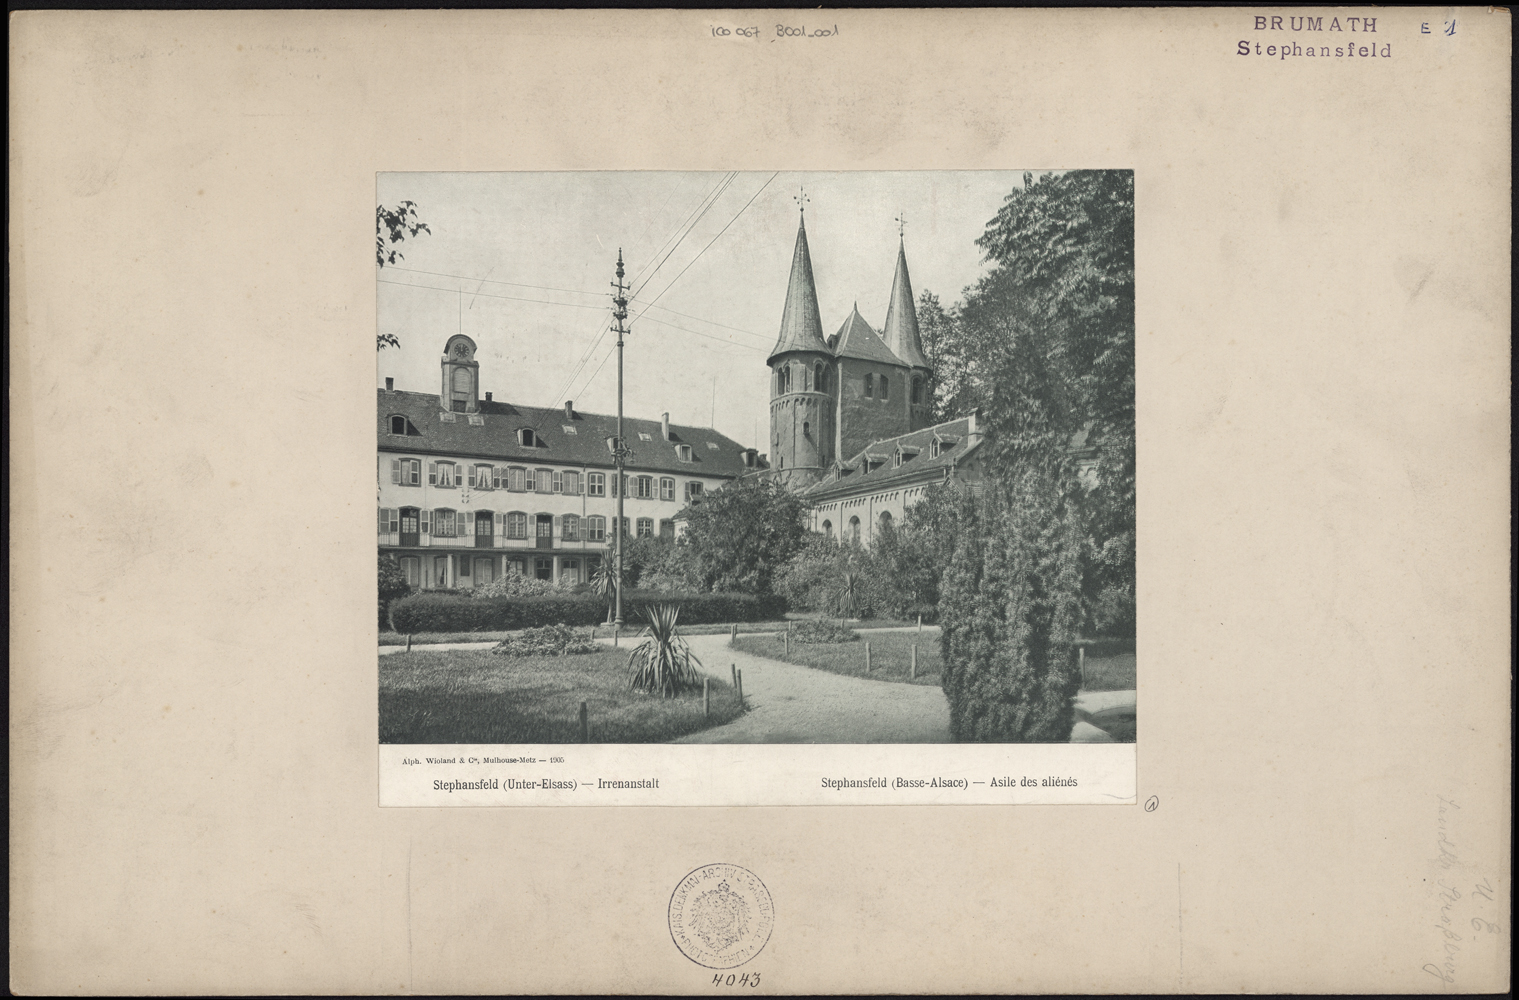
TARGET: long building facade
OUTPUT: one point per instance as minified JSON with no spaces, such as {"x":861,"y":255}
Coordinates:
{"x":471,"y":488}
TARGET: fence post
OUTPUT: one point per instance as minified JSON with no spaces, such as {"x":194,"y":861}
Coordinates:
{"x":1081,"y":661}
{"x":867,"y":657}
{"x":733,"y":672}
{"x":585,"y":727}
{"x":408,"y":642}
{"x":914,"y":661}
{"x":733,"y":636}
{"x":706,"y":698}
{"x":787,"y":634}
{"x":920,"y":624}
{"x":738,"y":679}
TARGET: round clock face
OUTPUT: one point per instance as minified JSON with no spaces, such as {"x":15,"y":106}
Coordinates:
{"x":460,"y":350}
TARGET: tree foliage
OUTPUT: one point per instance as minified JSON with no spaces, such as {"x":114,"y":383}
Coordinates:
{"x":394,"y":225}
{"x":1047,"y":552}
{"x":739,"y":536}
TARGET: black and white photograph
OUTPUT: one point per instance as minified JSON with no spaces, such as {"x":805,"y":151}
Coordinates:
{"x":869,"y":439}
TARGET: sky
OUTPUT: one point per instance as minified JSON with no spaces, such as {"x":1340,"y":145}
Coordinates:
{"x":523,"y":263}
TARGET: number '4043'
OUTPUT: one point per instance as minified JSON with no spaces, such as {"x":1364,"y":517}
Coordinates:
{"x":734,"y":979}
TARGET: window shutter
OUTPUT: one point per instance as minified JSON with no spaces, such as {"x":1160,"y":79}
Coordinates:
{"x":395,"y":519}
{"x":558,"y":482}
{"x":495,"y":478}
{"x":432,"y":473}
{"x":496,"y":523}
{"x":395,"y":470}
{"x":426,"y":520}
{"x":384,"y":520}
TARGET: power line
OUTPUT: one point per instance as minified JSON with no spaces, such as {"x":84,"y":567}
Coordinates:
{"x":491,"y":281}
{"x":709,"y":243}
{"x":725,"y":326}
{"x":719,"y":191}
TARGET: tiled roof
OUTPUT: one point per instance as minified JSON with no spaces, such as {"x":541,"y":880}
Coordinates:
{"x":923,"y":462}
{"x":901,"y":332}
{"x":496,"y":437}
{"x":857,"y":339}
{"x":801,"y":323}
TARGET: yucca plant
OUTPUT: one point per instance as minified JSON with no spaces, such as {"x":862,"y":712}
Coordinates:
{"x":848,"y":595}
{"x":662,"y":664}
{"x":604,"y":585}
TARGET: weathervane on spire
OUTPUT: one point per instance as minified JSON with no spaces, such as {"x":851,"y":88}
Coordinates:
{"x":801,"y":199}
{"x":901,"y":221}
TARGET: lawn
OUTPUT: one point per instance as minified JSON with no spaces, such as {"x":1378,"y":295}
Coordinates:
{"x":1110,"y":666}
{"x":631,"y":628}
{"x":469,"y":696}
{"x":890,"y":655}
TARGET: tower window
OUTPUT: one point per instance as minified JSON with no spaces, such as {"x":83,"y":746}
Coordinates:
{"x":806,"y":429}
{"x":818,"y":374}
{"x":884,"y":387}
{"x":870,"y":385}
{"x":917,"y":390}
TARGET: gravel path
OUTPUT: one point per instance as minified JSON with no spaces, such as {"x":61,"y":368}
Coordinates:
{"x":793,"y":704}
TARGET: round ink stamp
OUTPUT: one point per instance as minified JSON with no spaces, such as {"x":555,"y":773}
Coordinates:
{"x":721,"y":916}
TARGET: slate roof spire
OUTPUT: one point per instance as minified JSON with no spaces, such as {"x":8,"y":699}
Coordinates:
{"x":901,"y":331}
{"x":801,"y":323}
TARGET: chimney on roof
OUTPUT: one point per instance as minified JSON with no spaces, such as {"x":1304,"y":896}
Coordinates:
{"x":749,"y":456}
{"x":664,"y":425}
{"x":390,"y":385}
{"x":487,"y":397}
{"x":569,"y":409}
{"x":973,"y":428}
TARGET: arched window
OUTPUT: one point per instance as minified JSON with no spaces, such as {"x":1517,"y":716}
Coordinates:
{"x":886,"y":522}
{"x":870,"y":385}
{"x":933,"y":448}
{"x":817,"y":376}
{"x":527,"y":438}
{"x":917,"y":390}
{"x":828,"y":529}
{"x":806,"y":429}
{"x":854,"y":530}
{"x":460,"y":389}
{"x":884,"y":387}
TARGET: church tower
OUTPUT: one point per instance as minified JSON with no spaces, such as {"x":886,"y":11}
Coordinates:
{"x":901,"y":336}
{"x":801,"y":383}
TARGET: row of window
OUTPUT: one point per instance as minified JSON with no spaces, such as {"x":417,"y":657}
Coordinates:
{"x":526,"y":436}
{"x":445,"y":523}
{"x":851,"y":531}
{"x":517,"y":479}
{"x":816,"y":380}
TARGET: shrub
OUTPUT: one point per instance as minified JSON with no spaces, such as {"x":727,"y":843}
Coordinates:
{"x":431,"y":612}
{"x":550,"y":640}
{"x":1010,"y":611}
{"x":820,"y":630}
{"x":392,"y":585}
{"x":517,"y":585}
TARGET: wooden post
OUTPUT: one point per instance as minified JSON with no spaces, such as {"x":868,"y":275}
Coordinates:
{"x":867,"y":657}
{"x":738,"y":679}
{"x":734,"y":633}
{"x":788,"y":642}
{"x":585,"y":727}
{"x":920,"y":624}
{"x":1081,"y":661}
{"x":408,"y":642}
{"x":706,"y":698}
{"x":914,"y":674}
{"x":733,"y":672}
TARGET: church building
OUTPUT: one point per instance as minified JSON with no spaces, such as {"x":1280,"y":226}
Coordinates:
{"x":850,"y":423}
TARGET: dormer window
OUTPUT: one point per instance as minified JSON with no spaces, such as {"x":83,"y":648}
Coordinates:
{"x":528,"y":438}
{"x":399,"y":425}
{"x":933,"y":448}
{"x":683,"y":452}
{"x":896,"y":459}
{"x":642,"y":436}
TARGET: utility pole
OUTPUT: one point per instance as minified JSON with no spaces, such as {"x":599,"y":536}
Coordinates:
{"x":619,"y":450}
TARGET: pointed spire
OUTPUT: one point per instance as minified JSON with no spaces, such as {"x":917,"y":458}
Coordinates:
{"x":801,"y":324}
{"x":901,"y":332}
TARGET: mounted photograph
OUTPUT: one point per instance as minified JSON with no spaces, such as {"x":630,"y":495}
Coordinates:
{"x":754,"y":459}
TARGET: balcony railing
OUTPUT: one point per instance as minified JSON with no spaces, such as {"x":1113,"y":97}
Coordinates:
{"x":498,"y":542}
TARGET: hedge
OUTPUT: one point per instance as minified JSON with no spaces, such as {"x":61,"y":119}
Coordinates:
{"x":431,"y":612}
